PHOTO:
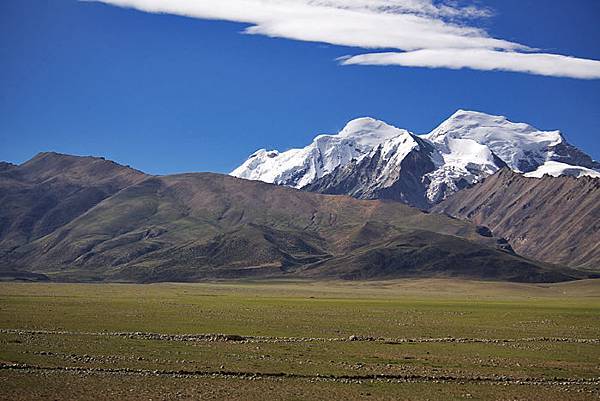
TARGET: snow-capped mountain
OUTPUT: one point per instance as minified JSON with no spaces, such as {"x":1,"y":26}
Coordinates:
{"x":300,"y":167}
{"x":474,"y":145}
{"x":394,"y":169}
{"x":371,"y":159}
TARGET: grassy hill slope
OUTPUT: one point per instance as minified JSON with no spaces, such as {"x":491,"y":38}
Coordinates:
{"x":190,"y":227}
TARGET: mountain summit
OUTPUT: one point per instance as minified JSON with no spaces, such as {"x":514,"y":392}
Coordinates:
{"x":370,"y":159}
{"x":299,"y":167}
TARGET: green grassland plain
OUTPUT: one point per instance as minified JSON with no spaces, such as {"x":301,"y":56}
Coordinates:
{"x":402,"y":339}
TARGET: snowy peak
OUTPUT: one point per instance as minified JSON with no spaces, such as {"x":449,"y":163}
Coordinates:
{"x":464,"y":122}
{"x":300,"y":167}
{"x":369,"y":132}
{"x":392,"y":170}
{"x":522,"y":147}
{"x":392,"y":153}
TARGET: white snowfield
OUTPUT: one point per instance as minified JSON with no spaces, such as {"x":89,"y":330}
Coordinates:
{"x":467,"y":147}
{"x":556,"y":169}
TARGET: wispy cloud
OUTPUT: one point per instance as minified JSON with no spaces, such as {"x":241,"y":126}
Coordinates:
{"x":483,"y":59}
{"x":426,"y":33}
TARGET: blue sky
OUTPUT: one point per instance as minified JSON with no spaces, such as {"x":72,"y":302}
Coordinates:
{"x":167,"y":93}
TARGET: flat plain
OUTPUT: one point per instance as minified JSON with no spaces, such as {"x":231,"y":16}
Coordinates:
{"x":250,"y":340}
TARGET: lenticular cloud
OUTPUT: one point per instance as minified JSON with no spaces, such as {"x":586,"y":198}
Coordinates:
{"x":424,"y":33}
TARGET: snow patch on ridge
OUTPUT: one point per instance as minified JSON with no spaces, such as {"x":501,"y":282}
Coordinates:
{"x":556,"y":169}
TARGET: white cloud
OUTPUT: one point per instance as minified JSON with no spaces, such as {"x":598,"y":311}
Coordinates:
{"x":426,"y":31}
{"x":483,"y":59}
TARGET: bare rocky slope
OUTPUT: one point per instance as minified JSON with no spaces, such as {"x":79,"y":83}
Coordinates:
{"x":87,"y":219}
{"x":554,"y":219}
